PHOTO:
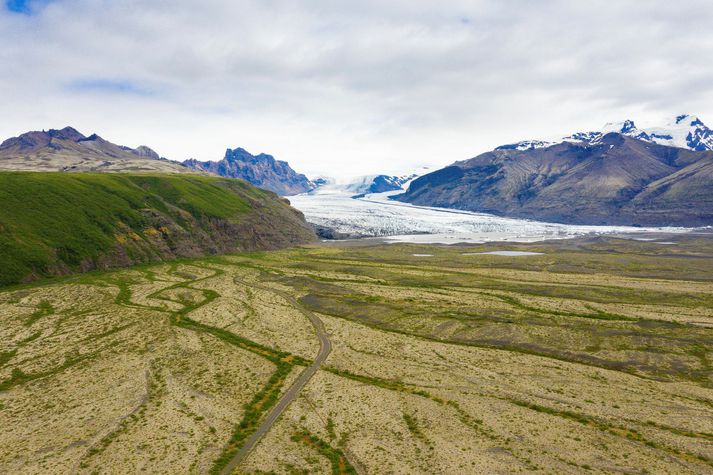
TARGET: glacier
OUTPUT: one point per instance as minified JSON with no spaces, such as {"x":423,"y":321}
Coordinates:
{"x":377,"y":216}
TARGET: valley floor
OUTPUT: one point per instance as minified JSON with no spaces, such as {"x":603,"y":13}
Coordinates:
{"x":591,"y":357}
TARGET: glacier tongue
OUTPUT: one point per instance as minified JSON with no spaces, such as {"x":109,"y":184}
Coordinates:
{"x":375,"y":215}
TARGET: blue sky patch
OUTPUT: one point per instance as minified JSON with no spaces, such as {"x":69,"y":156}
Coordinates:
{"x":117,"y":86}
{"x":18,"y":6}
{"x":24,"y":7}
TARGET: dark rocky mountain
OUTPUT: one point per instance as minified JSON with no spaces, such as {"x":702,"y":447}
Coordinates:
{"x":615,"y":179}
{"x":69,"y":150}
{"x":261,"y":170}
{"x":34,"y":141}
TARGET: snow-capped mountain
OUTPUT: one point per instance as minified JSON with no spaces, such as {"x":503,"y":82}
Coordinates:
{"x":526,"y":145}
{"x":683,"y":131}
{"x":366,"y":184}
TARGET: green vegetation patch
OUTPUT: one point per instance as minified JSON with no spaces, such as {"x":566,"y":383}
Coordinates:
{"x":617,"y":430}
{"x":51,"y":221}
{"x":18,"y":377}
{"x":414,"y":427}
{"x":43,"y":309}
{"x":339,"y":462}
{"x":262,"y":402}
{"x":651,"y":348}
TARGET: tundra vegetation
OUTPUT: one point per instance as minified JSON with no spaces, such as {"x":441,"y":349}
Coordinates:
{"x":592,"y":357}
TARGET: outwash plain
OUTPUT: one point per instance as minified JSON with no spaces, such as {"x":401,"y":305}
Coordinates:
{"x":592,"y":357}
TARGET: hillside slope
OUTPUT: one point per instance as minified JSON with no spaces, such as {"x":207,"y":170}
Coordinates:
{"x":59,"y":223}
{"x":261,"y":170}
{"x":617,"y":180}
{"x":69,"y":150}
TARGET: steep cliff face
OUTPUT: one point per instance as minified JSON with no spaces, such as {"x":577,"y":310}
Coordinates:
{"x":261,"y":170}
{"x":613,"y":180}
{"x":59,"y":223}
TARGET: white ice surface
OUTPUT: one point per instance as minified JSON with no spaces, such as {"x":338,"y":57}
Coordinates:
{"x":376,"y":216}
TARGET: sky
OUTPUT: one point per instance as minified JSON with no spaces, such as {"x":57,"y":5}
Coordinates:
{"x":343,"y":87}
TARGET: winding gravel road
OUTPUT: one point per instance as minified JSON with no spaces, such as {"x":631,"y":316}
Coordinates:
{"x":325,"y":346}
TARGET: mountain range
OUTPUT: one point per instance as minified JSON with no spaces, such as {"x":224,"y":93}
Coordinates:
{"x":155,"y":209}
{"x":68,"y":150}
{"x":619,"y":175}
{"x":261,"y":170}
{"x":683,"y":131}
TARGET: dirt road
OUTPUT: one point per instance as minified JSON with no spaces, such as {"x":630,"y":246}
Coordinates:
{"x":325,"y":346}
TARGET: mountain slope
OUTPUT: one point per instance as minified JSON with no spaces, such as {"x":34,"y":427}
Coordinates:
{"x":615,"y":180}
{"x":69,"y":150}
{"x":58,"y":223}
{"x":261,"y":170}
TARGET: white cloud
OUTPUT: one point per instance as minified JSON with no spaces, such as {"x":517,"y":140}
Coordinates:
{"x":342,"y":87}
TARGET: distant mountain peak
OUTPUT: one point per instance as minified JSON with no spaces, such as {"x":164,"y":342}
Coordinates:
{"x":622,"y":127}
{"x":144,"y":151}
{"x":683,"y":131}
{"x":67,"y":133}
{"x":628,"y":126}
{"x":686,"y":119}
{"x":605,"y":177}
{"x":261,"y":170}
{"x":525,"y":145}
{"x":91,"y":138}
{"x":67,"y":149}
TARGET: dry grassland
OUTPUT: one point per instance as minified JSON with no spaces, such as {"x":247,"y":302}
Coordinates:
{"x":594,"y":357}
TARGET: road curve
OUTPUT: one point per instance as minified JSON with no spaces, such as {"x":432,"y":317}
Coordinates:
{"x":325,"y":346}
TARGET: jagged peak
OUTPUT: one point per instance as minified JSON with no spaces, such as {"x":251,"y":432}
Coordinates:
{"x":236,"y":150}
{"x":621,"y":127}
{"x":240,"y":153}
{"x":262,"y":170}
{"x":146,"y":151}
{"x":91,"y":138}
{"x":525,"y":145}
{"x":685,"y":119}
{"x":683,"y":131}
{"x":66,"y":133}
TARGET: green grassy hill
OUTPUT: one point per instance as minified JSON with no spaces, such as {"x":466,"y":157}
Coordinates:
{"x":59,"y":223}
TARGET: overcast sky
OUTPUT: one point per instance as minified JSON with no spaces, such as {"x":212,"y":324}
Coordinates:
{"x":350,"y":87}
